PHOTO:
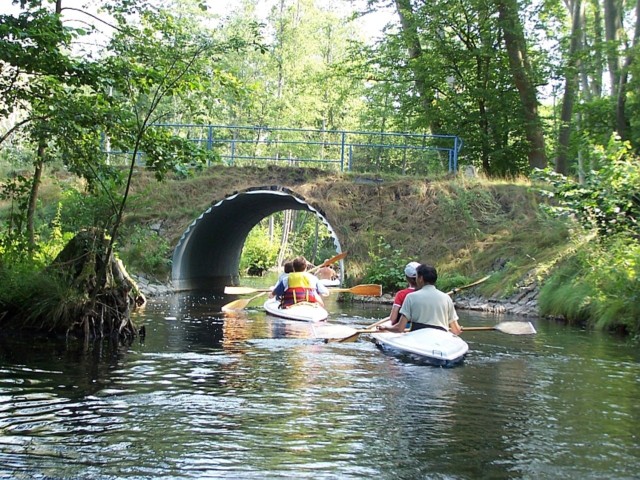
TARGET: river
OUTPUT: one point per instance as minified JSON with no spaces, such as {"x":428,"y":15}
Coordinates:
{"x":204,"y":396}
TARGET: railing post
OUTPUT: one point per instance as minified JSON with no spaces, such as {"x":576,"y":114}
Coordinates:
{"x":342,"y":145}
{"x":455,"y":153}
{"x":233,"y":151}
{"x":350,"y":156}
{"x":209,"y":143}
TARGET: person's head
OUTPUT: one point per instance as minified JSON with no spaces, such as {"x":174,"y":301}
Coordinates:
{"x":288,"y":267}
{"x":299,"y":264}
{"x":410,"y":272}
{"x":427,"y":274}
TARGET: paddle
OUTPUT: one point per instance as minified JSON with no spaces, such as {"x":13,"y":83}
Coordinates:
{"x":328,"y":262}
{"x":369,"y":289}
{"x":366,"y":289}
{"x":244,"y":290}
{"x":354,"y":336}
{"x":370,"y":328}
{"x":512,"y":328}
{"x":241,"y":303}
{"x":247,"y":290}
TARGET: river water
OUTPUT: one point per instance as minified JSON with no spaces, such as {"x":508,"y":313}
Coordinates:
{"x":204,"y":396}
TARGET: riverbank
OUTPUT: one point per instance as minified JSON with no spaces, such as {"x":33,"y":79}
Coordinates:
{"x":524,"y":303}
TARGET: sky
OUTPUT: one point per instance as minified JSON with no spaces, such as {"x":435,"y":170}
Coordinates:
{"x":371,"y":24}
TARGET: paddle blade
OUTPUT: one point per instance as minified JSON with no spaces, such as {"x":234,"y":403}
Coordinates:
{"x":477,"y":282}
{"x":240,"y":304}
{"x":516,"y":328}
{"x":330,"y":332}
{"x":356,"y":333}
{"x":236,"y":305}
{"x":330,"y":261}
{"x":243,"y":290}
{"x":370,"y":290}
{"x":512,"y":328}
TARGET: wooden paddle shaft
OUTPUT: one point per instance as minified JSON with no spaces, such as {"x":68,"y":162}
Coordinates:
{"x":330,"y":261}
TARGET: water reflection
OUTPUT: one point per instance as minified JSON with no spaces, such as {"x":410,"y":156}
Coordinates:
{"x":212,"y":396}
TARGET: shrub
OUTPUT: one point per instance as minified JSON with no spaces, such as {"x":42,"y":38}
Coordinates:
{"x":386,"y":268}
{"x":259,"y":253}
{"x":145,"y":251}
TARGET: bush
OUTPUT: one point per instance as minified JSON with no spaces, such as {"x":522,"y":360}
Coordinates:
{"x":259,"y":254}
{"x":144,"y":251}
{"x":386,"y":268}
{"x":608,"y":200}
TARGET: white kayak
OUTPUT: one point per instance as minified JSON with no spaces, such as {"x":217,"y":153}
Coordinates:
{"x":330,"y":283}
{"x":305,"y":312}
{"x":429,"y":344}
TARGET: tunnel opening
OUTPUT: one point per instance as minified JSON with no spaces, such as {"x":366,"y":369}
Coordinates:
{"x":207,"y":256}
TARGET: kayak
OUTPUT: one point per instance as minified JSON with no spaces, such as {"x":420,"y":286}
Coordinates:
{"x":305,"y":312}
{"x":330,"y":283}
{"x":432,"y":345}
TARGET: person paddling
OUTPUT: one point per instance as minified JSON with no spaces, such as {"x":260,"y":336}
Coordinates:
{"x":299,"y":286}
{"x":427,"y":307}
{"x":410,"y":274}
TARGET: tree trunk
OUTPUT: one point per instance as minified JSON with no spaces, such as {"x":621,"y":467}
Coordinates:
{"x":33,"y":195}
{"x":414,"y":50}
{"x":523,"y":79}
{"x":105,"y":308}
{"x":622,"y":121}
{"x":612,"y":28}
{"x":571,"y":86}
{"x":598,"y":46}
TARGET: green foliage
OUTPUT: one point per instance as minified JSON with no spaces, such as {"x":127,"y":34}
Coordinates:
{"x":386,"y":267}
{"x":303,"y":239}
{"x":44,"y":301}
{"x":85,"y":209}
{"x":598,"y":285}
{"x":609,"y":200}
{"x":259,"y":253}
{"x":448,"y":281}
{"x":26,"y":284}
{"x":15,"y":191}
{"x":144,"y":251}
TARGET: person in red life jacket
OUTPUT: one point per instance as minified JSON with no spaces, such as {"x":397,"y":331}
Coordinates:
{"x":299,"y":286}
{"x":410,"y":274}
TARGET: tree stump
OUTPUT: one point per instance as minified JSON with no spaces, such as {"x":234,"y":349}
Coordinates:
{"x":111,"y":294}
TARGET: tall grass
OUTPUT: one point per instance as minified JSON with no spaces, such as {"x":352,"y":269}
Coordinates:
{"x":599,"y":285}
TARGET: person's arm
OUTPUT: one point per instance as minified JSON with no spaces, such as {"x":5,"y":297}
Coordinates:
{"x":394,"y":316}
{"x":279,"y":289}
{"x":398,"y":327}
{"x":321,"y":289}
{"x":455,"y":328}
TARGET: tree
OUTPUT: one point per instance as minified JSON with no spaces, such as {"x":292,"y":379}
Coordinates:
{"x":523,"y":77}
{"x":122,"y":95}
{"x":571,"y":85}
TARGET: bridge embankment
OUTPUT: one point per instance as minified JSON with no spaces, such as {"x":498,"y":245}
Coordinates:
{"x":470,"y":226}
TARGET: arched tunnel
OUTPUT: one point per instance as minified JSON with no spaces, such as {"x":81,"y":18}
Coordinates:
{"x":207,"y":256}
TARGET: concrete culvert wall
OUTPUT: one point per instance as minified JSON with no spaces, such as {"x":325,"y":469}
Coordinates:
{"x":207,"y":256}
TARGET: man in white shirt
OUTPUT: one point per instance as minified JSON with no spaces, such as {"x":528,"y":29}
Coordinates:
{"x":427,"y":307}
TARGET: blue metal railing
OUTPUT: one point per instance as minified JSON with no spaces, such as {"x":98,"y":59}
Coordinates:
{"x":335,"y":149}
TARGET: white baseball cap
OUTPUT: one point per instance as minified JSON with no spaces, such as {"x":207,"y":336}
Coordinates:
{"x":410,"y":269}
